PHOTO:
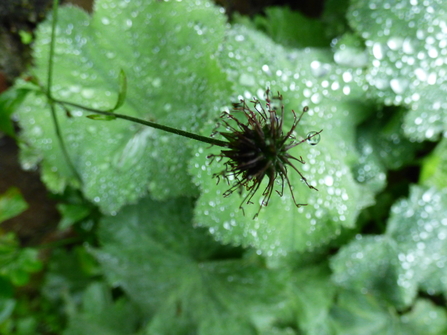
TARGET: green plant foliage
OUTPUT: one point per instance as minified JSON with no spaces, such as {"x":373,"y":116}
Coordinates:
{"x":9,"y":101}
{"x":425,"y":318}
{"x":405,"y":41}
{"x":304,"y":77}
{"x":334,"y":17}
{"x":7,"y":304}
{"x":17,"y":263}
{"x":408,"y":257}
{"x":357,"y":313}
{"x":166,"y":252}
{"x":68,"y":274}
{"x":72,"y":213}
{"x":383,"y":146}
{"x":190,"y":288}
{"x":101,"y":315}
{"x":166,"y":51}
{"x":11,"y":204}
{"x":434,"y":167}
{"x":304,"y":32}
{"x":122,"y":91}
{"x":310,"y":297}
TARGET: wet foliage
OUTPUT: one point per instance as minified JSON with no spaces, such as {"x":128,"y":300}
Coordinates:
{"x":163,"y":249}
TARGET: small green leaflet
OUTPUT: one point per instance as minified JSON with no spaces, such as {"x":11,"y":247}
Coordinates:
{"x":121,"y":92}
{"x":102,"y":117}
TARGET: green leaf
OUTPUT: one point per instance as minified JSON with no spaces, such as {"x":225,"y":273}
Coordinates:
{"x":419,"y":226}
{"x":310,"y":297}
{"x":425,"y":318}
{"x":17,"y":263}
{"x":405,"y":44}
{"x":434,"y":167}
{"x":167,"y":51}
{"x":101,"y":315}
{"x":349,"y":50}
{"x":304,"y":32}
{"x":334,"y":104}
{"x":334,"y":17}
{"x":7,"y":306}
{"x":10,"y":100}
{"x":6,"y":288}
{"x":168,"y":268}
{"x":410,"y":256}
{"x":101,"y":117}
{"x":122,"y":92}
{"x":72,"y":213}
{"x":11,"y":204}
{"x":383,"y":146}
{"x":68,"y":273}
{"x":357,"y":313}
{"x":370,"y":265}
{"x":26,"y":37}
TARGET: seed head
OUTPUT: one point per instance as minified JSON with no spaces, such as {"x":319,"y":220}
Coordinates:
{"x":258,"y":148}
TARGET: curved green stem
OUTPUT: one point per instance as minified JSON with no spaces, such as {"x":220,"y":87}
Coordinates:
{"x":50,"y":97}
{"x":57,"y":129}
{"x":171,"y":130}
{"x":52,"y":42}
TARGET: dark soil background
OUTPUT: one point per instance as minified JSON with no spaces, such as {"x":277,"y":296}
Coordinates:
{"x":37,"y":225}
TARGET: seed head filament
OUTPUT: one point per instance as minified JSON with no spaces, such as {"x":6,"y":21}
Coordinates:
{"x":259,"y":148}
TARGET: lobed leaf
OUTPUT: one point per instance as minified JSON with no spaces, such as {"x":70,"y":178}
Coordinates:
{"x":17,"y":263}
{"x":304,"y":32}
{"x":410,"y":256}
{"x":167,"y":51}
{"x":434,"y":167}
{"x":303,"y":77}
{"x":11,"y":204}
{"x":102,"y":315}
{"x":357,"y":313}
{"x":405,"y":42}
{"x":167,"y":268}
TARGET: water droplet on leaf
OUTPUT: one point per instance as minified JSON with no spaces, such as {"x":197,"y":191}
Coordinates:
{"x":313,"y":138}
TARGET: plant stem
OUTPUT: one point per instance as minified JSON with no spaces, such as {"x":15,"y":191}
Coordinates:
{"x":62,"y":143}
{"x":52,"y":42}
{"x":50,"y":97}
{"x":183,"y":133}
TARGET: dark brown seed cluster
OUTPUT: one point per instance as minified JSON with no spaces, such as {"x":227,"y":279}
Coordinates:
{"x":258,"y":148}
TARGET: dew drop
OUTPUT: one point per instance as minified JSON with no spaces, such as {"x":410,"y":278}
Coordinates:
{"x":156,"y":82}
{"x":247,"y":80}
{"x":378,"y":51}
{"x":105,"y":21}
{"x":88,"y":93}
{"x":319,"y":69}
{"x":398,"y":85}
{"x":313,"y":138}
{"x":328,"y":180}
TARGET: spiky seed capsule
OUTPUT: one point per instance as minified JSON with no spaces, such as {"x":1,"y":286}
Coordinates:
{"x":259,"y":148}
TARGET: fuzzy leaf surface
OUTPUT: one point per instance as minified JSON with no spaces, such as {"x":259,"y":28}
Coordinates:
{"x":101,"y":315}
{"x":406,"y":41}
{"x":303,"y":77}
{"x":411,"y":255}
{"x":356,"y":313}
{"x":167,"y":268}
{"x":434,"y":167}
{"x":166,"y":50}
{"x":11,"y":204}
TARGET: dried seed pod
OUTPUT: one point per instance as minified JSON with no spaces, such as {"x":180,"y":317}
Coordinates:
{"x":259,"y":148}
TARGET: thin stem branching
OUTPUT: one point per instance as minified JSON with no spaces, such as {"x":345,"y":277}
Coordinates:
{"x":171,"y":130}
{"x":57,"y":127}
